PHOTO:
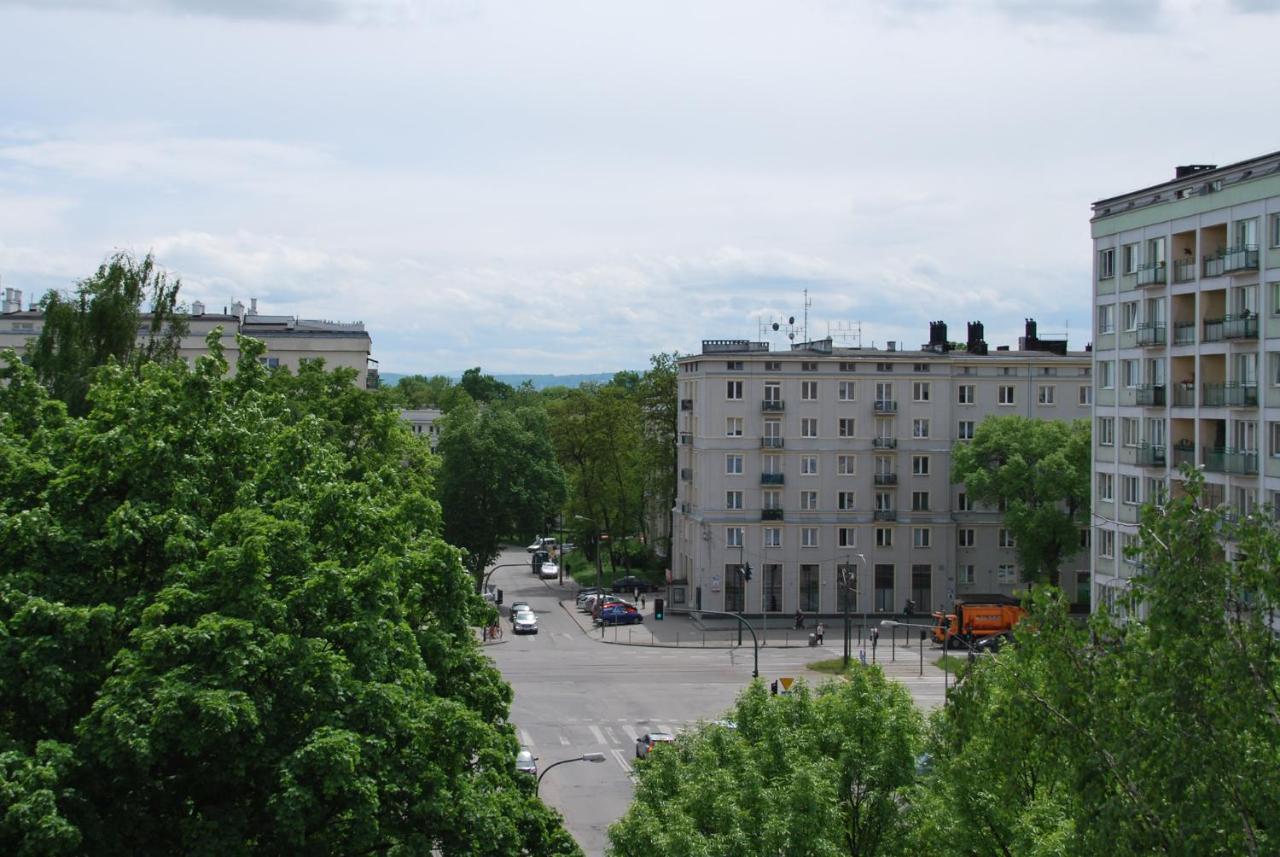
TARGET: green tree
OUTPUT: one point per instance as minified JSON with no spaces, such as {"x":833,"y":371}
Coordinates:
{"x":809,"y":773}
{"x":498,"y":477}
{"x":103,"y":322}
{"x":483,"y":388}
{"x":228,"y":624}
{"x":1039,"y":471}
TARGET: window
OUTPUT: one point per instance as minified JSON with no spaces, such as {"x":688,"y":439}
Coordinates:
{"x":844,"y":501}
{"x":1005,"y":573}
{"x":884,"y":588}
{"x":1129,"y":315}
{"x":964,"y":394}
{"x":966,"y":575}
{"x":1006,"y":394}
{"x":1130,"y":431}
{"x":920,"y":367}
{"x":773,"y":365}
{"x":733,"y":390}
{"x":846,"y":426}
{"x":1106,"y":263}
{"x":847,"y":537}
{"x":809,"y":588}
{"x":848,"y":391}
{"x":1106,"y":543}
{"x":733,"y":464}
{"x":809,"y":465}
{"x":919,"y":501}
{"x":734,"y":365}
{"x":1106,"y":318}
{"x":1105,"y":486}
{"x":808,"y":537}
{"x":884,"y":367}
{"x":884,"y":537}
{"x":963,"y":503}
{"x":919,"y":428}
{"x":920,"y":391}
{"x":270,"y":362}
{"x":1247,"y":233}
{"x":846,"y":465}
{"x":848,"y":367}
{"x":1129,"y":490}
{"x":773,"y":537}
{"x":809,"y":427}
{"x":1046,"y":393}
{"x":1106,"y":374}
{"x":770,"y":464}
{"x":809,"y":391}
{"x":1006,"y":538}
{"x":884,"y":501}
{"x":772,"y":392}
{"x":964,"y":537}
{"x":1275,"y":230}
{"x":1086,"y":394}
{"x":808,"y":366}
{"x":773,"y":587}
{"x":920,"y":465}
{"x":920,"y":537}
{"x":734,"y":588}
{"x":1157,"y":491}
{"x":1131,"y":372}
{"x":733,"y":427}
{"x":809,"y":501}
{"x":771,"y":499}
{"x":965,"y":430}
{"x":1274,"y":430}
{"x":733,"y":499}
{"x":733,"y":537}
{"x":884,"y":393}
{"x":1129,"y":256}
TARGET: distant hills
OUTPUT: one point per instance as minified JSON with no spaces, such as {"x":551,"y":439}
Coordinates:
{"x":540,"y":382}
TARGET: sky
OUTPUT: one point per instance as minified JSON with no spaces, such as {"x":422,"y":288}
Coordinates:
{"x":562,"y":186}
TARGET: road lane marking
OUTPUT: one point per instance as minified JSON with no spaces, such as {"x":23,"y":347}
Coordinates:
{"x":613,"y":739}
{"x":631,"y":733}
{"x":526,"y":739}
{"x":563,"y":740}
{"x":622,"y":761}
{"x":595,"y":730}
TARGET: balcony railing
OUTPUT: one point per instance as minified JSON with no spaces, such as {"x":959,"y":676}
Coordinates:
{"x":771,"y":514}
{"x":1150,"y":396}
{"x":1228,"y":460}
{"x":1231,"y":327}
{"x":884,"y":515}
{"x":1185,"y":271}
{"x":1151,"y":456}
{"x":886,"y":406}
{"x":1184,"y":395}
{"x":1154,"y":274}
{"x":884,"y":442}
{"x":886,"y":479}
{"x":771,"y":479}
{"x":773,"y":405}
{"x":1184,"y":452}
{"x":686,"y":404}
{"x":1184,"y":333}
{"x":1231,"y":395}
{"x":1241,"y":258}
{"x":772,"y":442}
{"x":1152,"y":334}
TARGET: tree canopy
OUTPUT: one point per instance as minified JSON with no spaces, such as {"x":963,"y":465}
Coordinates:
{"x":1038,"y":470}
{"x":229,"y":625}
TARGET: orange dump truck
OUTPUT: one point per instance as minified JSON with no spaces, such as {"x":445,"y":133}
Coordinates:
{"x":975,"y":617}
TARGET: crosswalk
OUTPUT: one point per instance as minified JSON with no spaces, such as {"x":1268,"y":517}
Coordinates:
{"x":615,"y":738}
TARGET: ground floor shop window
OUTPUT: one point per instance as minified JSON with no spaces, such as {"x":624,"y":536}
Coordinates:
{"x":809,"y":588}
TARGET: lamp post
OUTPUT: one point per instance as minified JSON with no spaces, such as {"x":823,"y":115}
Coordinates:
{"x":849,"y":580}
{"x":585,"y":757}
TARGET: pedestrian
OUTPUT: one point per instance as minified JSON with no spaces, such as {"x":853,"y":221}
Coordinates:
{"x":799,"y":619}
{"x":637,"y":595}
{"x":862,"y":656}
{"x":641,"y":600}
{"x":821,"y":629}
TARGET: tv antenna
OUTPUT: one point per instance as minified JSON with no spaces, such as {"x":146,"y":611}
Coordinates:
{"x":789,"y":327}
{"x":847,"y":333}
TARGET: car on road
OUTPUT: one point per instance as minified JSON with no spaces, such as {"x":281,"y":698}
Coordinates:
{"x":524,"y":622}
{"x":589,"y":603}
{"x":527,"y":763}
{"x":620,"y":614}
{"x":645,"y":743}
{"x":550,"y":571}
{"x":517,"y":606}
{"x":541,"y":543}
{"x":631,"y":583}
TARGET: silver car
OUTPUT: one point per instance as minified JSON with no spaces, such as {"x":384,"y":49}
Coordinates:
{"x":526,"y":762}
{"x":524,"y":622}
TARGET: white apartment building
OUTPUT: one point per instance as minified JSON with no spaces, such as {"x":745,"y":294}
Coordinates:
{"x":290,"y":341}
{"x":424,"y":422}
{"x":823,"y":464}
{"x":1186,"y":293}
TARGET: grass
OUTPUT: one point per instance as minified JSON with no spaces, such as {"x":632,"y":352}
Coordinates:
{"x":833,"y":666}
{"x":956,"y":665}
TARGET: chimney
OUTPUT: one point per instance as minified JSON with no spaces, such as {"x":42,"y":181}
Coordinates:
{"x":253,"y":306}
{"x":197,"y":308}
{"x":237,"y":309}
{"x":893,"y":345}
{"x":937,"y":336}
{"x":975,"y":343}
{"x":1031,"y":330}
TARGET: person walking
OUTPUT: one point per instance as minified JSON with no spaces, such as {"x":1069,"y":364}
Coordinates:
{"x":820,"y":630}
{"x":799,"y":619}
{"x":641,"y":600}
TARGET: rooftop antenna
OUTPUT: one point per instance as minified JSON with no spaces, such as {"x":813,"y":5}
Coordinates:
{"x":807,"y":303}
{"x":847,"y":333}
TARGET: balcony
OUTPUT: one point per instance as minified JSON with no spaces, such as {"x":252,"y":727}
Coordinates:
{"x":771,"y":479}
{"x":1152,"y":334}
{"x":884,"y":515}
{"x":1231,"y":395}
{"x":1152,"y":275}
{"x":1150,"y":396}
{"x":1184,"y":395}
{"x":1151,"y":456}
{"x":1184,"y":333}
{"x":771,"y":514}
{"x":886,"y":479}
{"x":1231,"y":327}
{"x":773,"y":406}
{"x":1241,"y":258}
{"x":772,"y":442}
{"x":1184,"y":272}
{"x":1228,"y":460}
{"x":685,"y":438}
{"x":1184,"y":452}
{"x":686,"y":404}
{"x":884,"y":442}
{"x":885,"y":406}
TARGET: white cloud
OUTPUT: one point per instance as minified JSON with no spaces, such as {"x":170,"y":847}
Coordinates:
{"x":306,"y":11}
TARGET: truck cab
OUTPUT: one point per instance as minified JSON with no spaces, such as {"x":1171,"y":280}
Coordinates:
{"x":976,"y":617}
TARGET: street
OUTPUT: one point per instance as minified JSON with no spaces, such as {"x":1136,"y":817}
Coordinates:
{"x":575,"y":694}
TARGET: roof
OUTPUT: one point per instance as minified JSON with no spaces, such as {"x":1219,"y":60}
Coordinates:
{"x":1195,"y":178}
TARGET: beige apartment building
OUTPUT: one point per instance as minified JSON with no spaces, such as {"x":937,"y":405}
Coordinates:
{"x":821,"y":465}
{"x":290,"y":341}
{"x":1187,"y":349}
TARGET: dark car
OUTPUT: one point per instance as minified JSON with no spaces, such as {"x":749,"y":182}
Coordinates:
{"x":620,"y":614}
{"x":994,"y":643}
{"x":631,"y":583}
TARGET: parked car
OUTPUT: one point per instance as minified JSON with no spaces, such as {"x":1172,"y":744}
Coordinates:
{"x":994,"y":643}
{"x":541,"y":543}
{"x":631,"y":583}
{"x":596,"y":598}
{"x":550,"y":571}
{"x":584,"y":594}
{"x":620,"y":614}
{"x":646,"y":743}
{"x":524,"y":622}
{"x":527,"y":763}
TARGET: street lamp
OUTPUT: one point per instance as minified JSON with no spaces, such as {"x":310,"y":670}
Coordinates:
{"x":585,"y":757}
{"x":850,"y":586}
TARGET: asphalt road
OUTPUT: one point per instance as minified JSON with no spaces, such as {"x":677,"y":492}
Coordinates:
{"x":575,"y":694}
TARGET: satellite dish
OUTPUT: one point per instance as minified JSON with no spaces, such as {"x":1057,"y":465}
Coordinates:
{"x":791,"y":320}
{"x":775,"y":325}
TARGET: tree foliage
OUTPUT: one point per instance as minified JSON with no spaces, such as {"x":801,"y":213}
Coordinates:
{"x":228,"y":624}
{"x":1039,"y":471}
{"x":809,"y":773}
{"x":103,"y":322}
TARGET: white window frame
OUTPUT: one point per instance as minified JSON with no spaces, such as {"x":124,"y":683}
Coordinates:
{"x":964,"y":431}
{"x":733,"y":500}
{"x":1130,"y":490}
{"x":733,"y":537}
{"x":884,"y":537}
{"x":733,"y":391}
{"x":846,"y":465}
{"x":772,"y":537}
{"x":920,"y":391}
{"x":921,"y":537}
{"x":1106,"y":319}
{"x":1047,"y":393}
{"x":733,"y":464}
{"x":919,"y":465}
{"x":965,"y":394}
{"x":1006,"y":573}
{"x":808,"y":426}
{"x":965,"y":537}
{"x":847,"y":427}
{"x":808,"y":391}
{"x":1086,"y":395}
{"x":920,"y":428}
{"x":846,"y":501}
{"x":808,"y":537}
{"x":808,"y":500}
{"x":847,"y":537}
{"x":733,"y":427}
{"x":1105,"y":487}
{"x":1005,"y":539}
{"x":1006,"y":395}
{"x":808,"y":465}
{"x":1106,"y":263}
{"x":848,"y":391}
{"x":966,"y":575}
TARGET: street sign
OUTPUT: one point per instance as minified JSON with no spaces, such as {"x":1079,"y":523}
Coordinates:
{"x":785,"y":682}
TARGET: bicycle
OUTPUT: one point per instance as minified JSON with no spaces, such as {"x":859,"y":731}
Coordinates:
{"x":495,"y":631}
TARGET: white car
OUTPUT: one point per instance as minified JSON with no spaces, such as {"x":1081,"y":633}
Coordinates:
{"x":646,"y":743}
{"x":541,"y":543}
{"x":550,"y":571}
{"x":524,"y":622}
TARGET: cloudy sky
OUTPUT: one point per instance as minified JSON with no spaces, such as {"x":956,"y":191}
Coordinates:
{"x":564,"y":186}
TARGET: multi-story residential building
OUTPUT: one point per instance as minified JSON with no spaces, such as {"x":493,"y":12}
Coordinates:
{"x":1186,"y":296}
{"x":290,"y":341}
{"x":424,"y":422}
{"x":824,"y":464}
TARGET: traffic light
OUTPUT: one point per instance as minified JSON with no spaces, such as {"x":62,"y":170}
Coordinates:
{"x":746,"y":572}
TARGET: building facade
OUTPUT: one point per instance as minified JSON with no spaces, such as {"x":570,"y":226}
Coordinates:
{"x":828,"y":471}
{"x":290,"y":341}
{"x":1186,"y":294}
{"x":424,"y":422}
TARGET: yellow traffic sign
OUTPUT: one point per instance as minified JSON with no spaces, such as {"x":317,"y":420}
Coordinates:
{"x":785,"y":682}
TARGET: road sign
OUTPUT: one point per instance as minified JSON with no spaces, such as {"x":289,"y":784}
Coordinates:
{"x":785,"y":682}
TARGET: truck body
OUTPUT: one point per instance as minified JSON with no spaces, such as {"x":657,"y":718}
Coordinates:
{"x":976,"y":617}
